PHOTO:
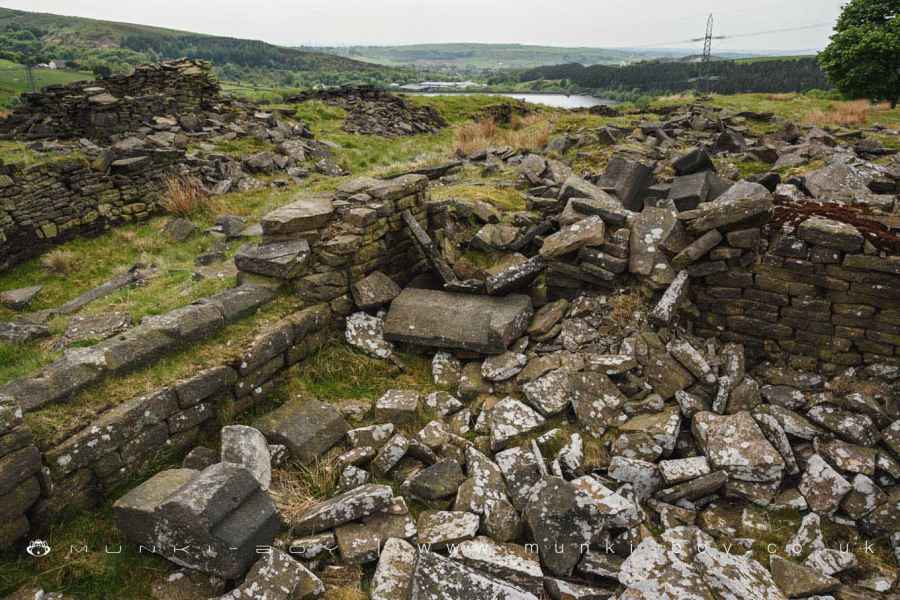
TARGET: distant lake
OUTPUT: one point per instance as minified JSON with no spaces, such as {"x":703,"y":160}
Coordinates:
{"x":554,"y":100}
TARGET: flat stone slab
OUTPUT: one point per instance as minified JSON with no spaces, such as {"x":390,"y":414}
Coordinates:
{"x":393,"y":576}
{"x":21,"y":332}
{"x":587,"y":232}
{"x":282,"y":260}
{"x":457,"y":321}
{"x":307,"y":429}
{"x":20,"y":298}
{"x":736,"y":444}
{"x":438,"y":528}
{"x":367,"y":333}
{"x":277,"y":576}
{"x":439,"y":578}
{"x":350,"y":506}
{"x":95,"y":327}
{"x":742,"y":202}
{"x":304,"y":214}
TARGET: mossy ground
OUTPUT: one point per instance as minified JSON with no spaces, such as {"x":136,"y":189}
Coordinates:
{"x":334,"y":374}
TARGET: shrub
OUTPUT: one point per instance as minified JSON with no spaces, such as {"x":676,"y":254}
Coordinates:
{"x":185,"y":196}
{"x":59,"y":262}
{"x":842,"y":113}
{"x":525,"y":133}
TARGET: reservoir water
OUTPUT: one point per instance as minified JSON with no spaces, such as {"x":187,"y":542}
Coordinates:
{"x":554,"y":100}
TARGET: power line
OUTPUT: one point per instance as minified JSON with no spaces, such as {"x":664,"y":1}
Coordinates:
{"x":728,"y":37}
{"x":707,"y":54}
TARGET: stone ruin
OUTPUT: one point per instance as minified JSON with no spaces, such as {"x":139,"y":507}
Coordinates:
{"x":121,"y":103}
{"x":580,"y":447}
{"x":105,"y":150}
{"x":375,"y":112}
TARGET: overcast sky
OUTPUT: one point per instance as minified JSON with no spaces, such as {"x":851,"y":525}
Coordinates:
{"x":598,"y":23}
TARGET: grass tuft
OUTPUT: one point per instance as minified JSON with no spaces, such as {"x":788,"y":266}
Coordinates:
{"x":296,"y":487}
{"x":185,"y":196}
{"x":59,"y":262}
{"x":531,"y":132}
{"x":854,"y":114}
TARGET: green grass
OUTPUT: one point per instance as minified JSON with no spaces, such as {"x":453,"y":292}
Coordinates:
{"x":505,"y":198}
{"x":14,"y":79}
{"x":370,"y":155}
{"x":337,"y":372}
{"x":458,"y":108}
{"x":98,"y":260}
{"x":749,"y":168}
{"x":91,"y":575}
{"x":51,"y":424}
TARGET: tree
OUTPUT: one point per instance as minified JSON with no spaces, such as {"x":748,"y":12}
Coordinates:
{"x":102,"y":71}
{"x":863,"y":58}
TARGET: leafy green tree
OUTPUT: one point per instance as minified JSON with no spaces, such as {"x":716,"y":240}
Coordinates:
{"x":863,"y":58}
{"x":102,"y":71}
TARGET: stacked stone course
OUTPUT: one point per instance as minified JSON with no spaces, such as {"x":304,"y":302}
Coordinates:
{"x":809,"y":300}
{"x":99,"y":109}
{"x":55,"y":201}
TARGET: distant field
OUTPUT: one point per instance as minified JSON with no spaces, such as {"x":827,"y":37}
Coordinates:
{"x":488,"y":56}
{"x":756,"y":59}
{"x":14,"y":80}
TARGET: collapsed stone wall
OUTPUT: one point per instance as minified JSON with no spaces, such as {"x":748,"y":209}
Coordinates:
{"x":53,"y":202}
{"x":99,"y":109}
{"x":375,"y":112}
{"x":355,"y":235}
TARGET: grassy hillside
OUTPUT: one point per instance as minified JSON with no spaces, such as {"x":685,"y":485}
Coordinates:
{"x":499,"y":56}
{"x":483,"y":56}
{"x":118,"y":46}
{"x":14,"y":79}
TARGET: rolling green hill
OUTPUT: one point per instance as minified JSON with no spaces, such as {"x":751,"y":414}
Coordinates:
{"x":500,"y":56}
{"x":14,"y":79}
{"x":482,"y":56}
{"x":99,"y":45}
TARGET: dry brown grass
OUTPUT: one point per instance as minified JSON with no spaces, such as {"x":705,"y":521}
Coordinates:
{"x":185,"y":196}
{"x":296,"y":487}
{"x":676,"y":99}
{"x":59,"y":262}
{"x":530,"y":132}
{"x":848,"y":114}
{"x":350,"y":592}
{"x":786,"y":97}
{"x":624,"y":306}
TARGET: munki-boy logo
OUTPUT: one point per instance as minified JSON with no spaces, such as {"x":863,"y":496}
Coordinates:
{"x":38,"y":548}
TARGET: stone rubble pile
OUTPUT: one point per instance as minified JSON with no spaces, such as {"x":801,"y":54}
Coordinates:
{"x":98,"y":109}
{"x":375,"y":112}
{"x":545,"y":471}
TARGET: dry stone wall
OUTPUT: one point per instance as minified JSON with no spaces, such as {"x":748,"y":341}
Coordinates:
{"x":99,"y":109}
{"x":816,"y":296}
{"x":55,"y":201}
{"x":359,"y":232}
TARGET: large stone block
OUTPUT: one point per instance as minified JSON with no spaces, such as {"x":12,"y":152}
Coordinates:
{"x":304,"y":214}
{"x":282,"y":260}
{"x":458,"y":321}
{"x":308,"y":429}
{"x":628,"y":180}
{"x":212,"y":521}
